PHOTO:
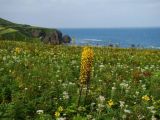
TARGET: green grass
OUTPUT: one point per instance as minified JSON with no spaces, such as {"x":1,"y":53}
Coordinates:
{"x":34,"y":77}
{"x":6,"y":31}
{"x":2,"y":28}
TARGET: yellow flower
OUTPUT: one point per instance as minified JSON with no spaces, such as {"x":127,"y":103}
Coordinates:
{"x":86,"y":64}
{"x":110,"y":103}
{"x":145,"y":98}
{"x":60,"y":108}
{"x":57,"y":114}
{"x":17,"y":50}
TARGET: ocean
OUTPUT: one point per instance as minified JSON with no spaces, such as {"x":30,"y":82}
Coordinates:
{"x":120,"y":37}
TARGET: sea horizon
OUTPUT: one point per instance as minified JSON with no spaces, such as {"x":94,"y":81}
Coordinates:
{"x":122,"y":37}
{"x":150,"y":27}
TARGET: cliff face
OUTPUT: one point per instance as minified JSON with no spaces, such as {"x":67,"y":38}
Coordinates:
{"x":53,"y":38}
{"x":48,"y":36}
{"x":12,"y":31}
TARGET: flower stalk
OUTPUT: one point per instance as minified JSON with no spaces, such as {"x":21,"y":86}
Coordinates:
{"x":85,"y":70}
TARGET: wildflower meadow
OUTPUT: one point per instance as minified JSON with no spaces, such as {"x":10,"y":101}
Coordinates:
{"x":46,"y":82}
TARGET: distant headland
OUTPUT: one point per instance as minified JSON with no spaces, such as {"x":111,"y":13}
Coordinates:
{"x":22,"y":32}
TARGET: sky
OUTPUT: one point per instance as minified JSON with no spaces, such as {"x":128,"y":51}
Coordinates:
{"x":82,"y":13}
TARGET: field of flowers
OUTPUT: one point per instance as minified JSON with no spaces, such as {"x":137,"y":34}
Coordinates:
{"x":42,"y":82}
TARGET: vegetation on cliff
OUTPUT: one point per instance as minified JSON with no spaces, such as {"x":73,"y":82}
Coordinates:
{"x":20,"y":32}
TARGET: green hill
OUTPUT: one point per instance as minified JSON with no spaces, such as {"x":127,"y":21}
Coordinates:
{"x":4,"y":22}
{"x":22,"y":32}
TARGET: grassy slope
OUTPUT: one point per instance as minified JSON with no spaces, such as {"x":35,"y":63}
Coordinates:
{"x":9,"y":31}
{"x":21,"y":32}
{"x":5,"y":31}
{"x":5,"y":22}
{"x":37,"y":76}
{"x":2,"y":28}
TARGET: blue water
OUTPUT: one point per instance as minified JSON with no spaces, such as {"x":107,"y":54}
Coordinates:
{"x":139,"y":37}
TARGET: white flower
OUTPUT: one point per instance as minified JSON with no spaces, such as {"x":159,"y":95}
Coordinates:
{"x":81,"y":108}
{"x":150,"y":108}
{"x":71,"y":83}
{"x":141,"y":117}
{"x":153,"y":111}
{"x":127,"y":111}
{"x":101,"y":66}
{"x":89,"y":117}
{"x":73,"y":62}
{"x":4,"y":58}
{"x":26,"y":88}
{"x":100,"y":80}
{"x":40,"y":111}
{"x":127,"y":90}
{"x":153,"y":118}
{"x":126,"y":106}
{"x":114,"y":88}
{"x":121,"y":104}
{"x":124,"y":116}
{"x":65,"y":95}
{"x":100,"y":106}
{"x":60,"y":81}
{"x":124,"y":85}
{"x":61,"y":118}
{"x":101,"y":99}
{"x":144,"y":87}
{"x":64,"y":85}
{"x":84,"y":88}
{"x":92,"y":104}
{"x":137,"y":92}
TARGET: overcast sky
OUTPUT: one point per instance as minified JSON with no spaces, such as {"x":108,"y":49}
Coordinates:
{"x":82,"y":13}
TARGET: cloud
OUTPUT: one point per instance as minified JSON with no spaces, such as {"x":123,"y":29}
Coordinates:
{"x":82,"y":13}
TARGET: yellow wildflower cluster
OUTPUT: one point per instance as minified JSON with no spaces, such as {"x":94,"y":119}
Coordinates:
{"x":17,"y":50}
{"x":110,"y":103}
{"x":58,"y":112}
{"x":60,"y":108}
{"x":145,"y":98}
{"x":86,"y":64}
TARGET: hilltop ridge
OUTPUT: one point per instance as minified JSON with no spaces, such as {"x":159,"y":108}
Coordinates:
{"x":21,"y":32}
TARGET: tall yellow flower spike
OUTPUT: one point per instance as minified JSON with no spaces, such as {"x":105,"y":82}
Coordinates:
{"x":86,"y":65}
